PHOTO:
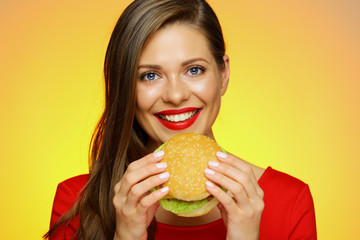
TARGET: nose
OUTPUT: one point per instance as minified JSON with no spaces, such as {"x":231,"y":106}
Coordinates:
{"x":175,"y":91}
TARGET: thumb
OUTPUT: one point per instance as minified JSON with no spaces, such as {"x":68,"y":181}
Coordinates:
{"x":222,"y":211}
{"x":152,"y":211}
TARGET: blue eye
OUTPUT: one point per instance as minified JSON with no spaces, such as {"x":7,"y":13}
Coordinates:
{"x":193,"y":71}
{"x":150,"y":76}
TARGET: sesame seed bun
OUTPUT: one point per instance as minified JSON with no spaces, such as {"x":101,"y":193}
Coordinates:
{"x":187,"y":155}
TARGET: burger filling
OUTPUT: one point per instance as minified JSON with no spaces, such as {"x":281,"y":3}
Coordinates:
{"x":178,"y":206}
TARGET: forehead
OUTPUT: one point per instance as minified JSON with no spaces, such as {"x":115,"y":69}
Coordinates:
{"x":176,"y":42}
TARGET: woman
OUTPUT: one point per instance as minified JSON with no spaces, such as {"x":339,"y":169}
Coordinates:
{"x":165,"y":72}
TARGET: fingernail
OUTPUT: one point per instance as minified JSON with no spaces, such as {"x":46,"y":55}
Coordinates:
{"x":209,"y":171}
{"x":161,"y":165}
{"x":159,"y":154}
{"x":213,"y":164}
{"x":209,"y":184}
{"x":164,"y":175}
{"x":221,"y":154}
{"x":164,"y":189}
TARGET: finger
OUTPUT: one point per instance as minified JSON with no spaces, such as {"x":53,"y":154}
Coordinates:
{"x":151,"y":199}
{"x":225,"y":199}
{"x":148,"y":159}
{"x":141,"y":189}
{"x":237,"y":175}
{"x":242,"y":165}
{"x":134,"y":177}
{"x":234,"y":187}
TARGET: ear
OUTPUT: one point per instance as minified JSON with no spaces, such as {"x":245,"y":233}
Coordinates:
{"x":225,"y":74}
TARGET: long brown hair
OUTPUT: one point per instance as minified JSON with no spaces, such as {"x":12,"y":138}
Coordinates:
{"x":118,"y":139}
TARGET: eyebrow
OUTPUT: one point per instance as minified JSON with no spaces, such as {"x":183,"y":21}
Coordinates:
{"x":193,"y":60}
{"x":158,"y":67}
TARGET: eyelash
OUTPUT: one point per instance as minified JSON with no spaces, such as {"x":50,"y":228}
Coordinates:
{"x":142,"y":76}
{"x":202,"y":70}
{"x":145,"y":74}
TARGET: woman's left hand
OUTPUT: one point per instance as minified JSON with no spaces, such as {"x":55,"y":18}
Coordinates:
{"x":241,"y":207}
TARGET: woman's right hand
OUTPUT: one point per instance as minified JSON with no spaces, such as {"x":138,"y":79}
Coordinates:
{"x":134,"y":205}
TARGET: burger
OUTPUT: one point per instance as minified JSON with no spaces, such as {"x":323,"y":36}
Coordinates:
{"x":187,"y":156}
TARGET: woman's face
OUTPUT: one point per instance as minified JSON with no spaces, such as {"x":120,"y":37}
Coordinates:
{"x":179,"y":84}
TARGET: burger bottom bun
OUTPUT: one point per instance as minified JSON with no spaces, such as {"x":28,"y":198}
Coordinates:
{"x":201,"y":211}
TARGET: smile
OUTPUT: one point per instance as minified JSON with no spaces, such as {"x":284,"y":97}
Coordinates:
{"x":178,"y":119}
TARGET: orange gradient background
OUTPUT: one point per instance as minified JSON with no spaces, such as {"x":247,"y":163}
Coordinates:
{"x":292,"y":103}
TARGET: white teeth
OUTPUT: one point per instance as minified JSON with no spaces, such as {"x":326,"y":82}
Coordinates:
{"x":178,"y":117}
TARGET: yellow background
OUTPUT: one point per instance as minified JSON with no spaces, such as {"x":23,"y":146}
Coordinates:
{"x":293,"y":100}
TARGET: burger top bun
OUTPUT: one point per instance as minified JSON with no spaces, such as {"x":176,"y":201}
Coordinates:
{"x":187,"y":155}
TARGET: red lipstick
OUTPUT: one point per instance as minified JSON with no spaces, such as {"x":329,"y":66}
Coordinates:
{"x":178,"y":125}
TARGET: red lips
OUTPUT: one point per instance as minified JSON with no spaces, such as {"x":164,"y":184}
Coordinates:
{"x":181,"y":124}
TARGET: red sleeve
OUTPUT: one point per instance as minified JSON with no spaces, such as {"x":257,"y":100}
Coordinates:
{"x":302,"y":222}
{"x":66,"y":195}
{"x":289,"y":209}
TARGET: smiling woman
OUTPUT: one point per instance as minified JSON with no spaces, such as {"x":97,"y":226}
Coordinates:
{"x":165,"y":73}
{"x":180,"y":87}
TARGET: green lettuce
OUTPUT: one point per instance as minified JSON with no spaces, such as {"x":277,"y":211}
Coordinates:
{"x":177,"y":206}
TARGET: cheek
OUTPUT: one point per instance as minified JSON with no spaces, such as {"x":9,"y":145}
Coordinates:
{"x":209,"y":91}
{"x":146,"y":97}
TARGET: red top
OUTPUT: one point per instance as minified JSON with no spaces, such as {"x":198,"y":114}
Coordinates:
{"x":288,"y":213}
